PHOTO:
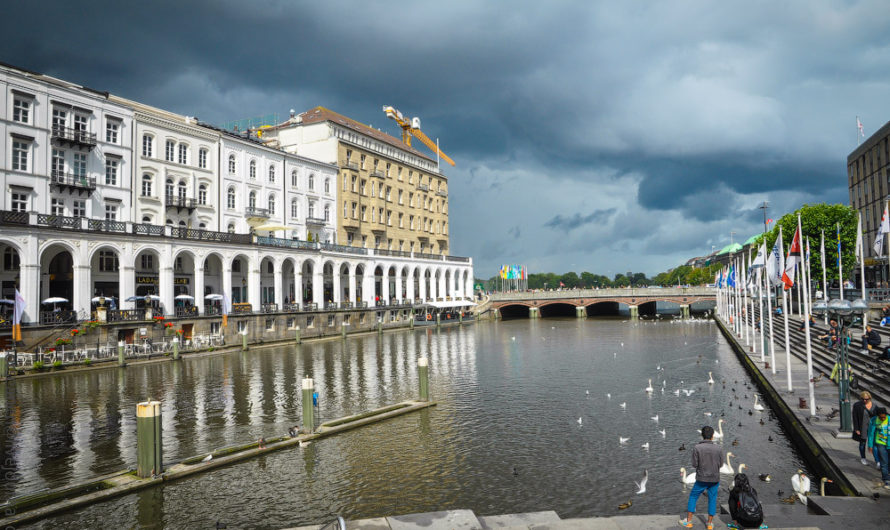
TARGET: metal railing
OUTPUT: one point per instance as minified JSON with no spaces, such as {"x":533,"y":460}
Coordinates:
{"x":459,"y":259}
{"x":285,"y":243}
{"x":176,"y":201}
{"x":59,"y":221}
{"x":424,"y":255}
{"x":291,"y":307}
{"x":397,"y":253}
{"x":74,"y":135}
{"x":186,"y":311}
{"x":14,"y":218}
{"x":423,"y":187}
{"x":345,"y":305}
{"x":441,"y":193}
{"x":72,"y":179}
{"x":125,"y":315}
{"x":57,"y":317}
{"x":148,"y":230}
{"x":102,"y":225}
{"x":316,"y":221}
{"x":242,"y":307}
{"x":377,"y":173}
{"x":211,"y":310}
{"x":343,"y":248}
{"x":310,"y":306}
{"x":252,"y":211}
{"x":351,"y":165}
{"x":269,"y":308}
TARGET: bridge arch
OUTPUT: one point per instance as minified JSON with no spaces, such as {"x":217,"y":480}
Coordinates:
{"x":601,"y":308}
{"x":557,"y":309}
{"x":514,"y":311}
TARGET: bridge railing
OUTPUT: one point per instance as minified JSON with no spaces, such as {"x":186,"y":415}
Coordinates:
{"x":603,"y":293}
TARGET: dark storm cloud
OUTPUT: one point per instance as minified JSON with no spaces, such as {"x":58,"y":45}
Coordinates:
{"x":560,"y":222}
{"x":679,"y":130}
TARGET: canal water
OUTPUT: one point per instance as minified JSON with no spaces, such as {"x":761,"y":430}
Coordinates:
{"x":529,"y":417}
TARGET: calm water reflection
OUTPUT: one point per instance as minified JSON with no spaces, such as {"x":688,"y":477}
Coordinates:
{"x":504,"y":438}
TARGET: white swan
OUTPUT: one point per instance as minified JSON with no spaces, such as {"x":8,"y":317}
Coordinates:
{"x":648,"y":389}
{"x":710,"y":379}
{"x":623,"y":405}
{"x":727,"y":468}
{"x":686,"y":479}
{"x":677,"y":392}
{"x":645,"y":446}
{"x":822,"y":485}
{"x":757,"y":406}
{"x":663,"y":433}
{"x":655,"y":418}
{"x":623,"y":440}
{"x":579,"y":421}
{"x":719,"y":434}
{"x":801,"y":485}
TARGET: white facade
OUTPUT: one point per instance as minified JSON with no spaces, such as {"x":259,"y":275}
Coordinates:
{"x":265,"y":186}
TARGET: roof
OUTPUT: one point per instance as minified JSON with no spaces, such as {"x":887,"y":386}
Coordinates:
{"x":320,"y":114}
{"x":734,"y":247}
{"x":750,"y":240}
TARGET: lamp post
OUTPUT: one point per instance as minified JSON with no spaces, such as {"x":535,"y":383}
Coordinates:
{"x":846,"y":314}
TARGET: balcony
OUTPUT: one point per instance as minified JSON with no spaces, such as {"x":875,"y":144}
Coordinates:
{"x":59,"y":221}
{"x":442,"y":193}
{"x":377,"y":173}
{"x":423,"y":187}
{"x":14,"y":218}
{"x":73,"y":182}
{"x":181,"y":203}
{"x":258,"y":214}
{"x":351,"y":165}
{"x":351,"y":224}
{"x":73,"y":137}
{"x":316,"y":221}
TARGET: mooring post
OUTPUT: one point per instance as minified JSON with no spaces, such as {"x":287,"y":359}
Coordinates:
{"x":343,"y":329}
{"x":308,"y":409}
{"x":413,"y":317}
{"x":438,"y":319}
{"x":120,"y":353}
{"x":149,"y":450}
{"x":423,"y":372}
{"x":297,"y":337}
{"x":4,"y":365}
{"x":175,"y":348}
{"x":244,"y":340}
{"x":380,"y":325}
{"x":634,"y":312}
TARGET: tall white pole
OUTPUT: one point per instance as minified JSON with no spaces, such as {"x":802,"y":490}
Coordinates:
{"x":761,"y":275}
{"x":769,"y":304}
{"x":840,"y":264}
{"x":799,"y":289}
{"x":745,"y":300}
{"x":861,"y":239}
{"x":787,"y":343}
{"x":824,"y":274}
{"x":807,"y":310}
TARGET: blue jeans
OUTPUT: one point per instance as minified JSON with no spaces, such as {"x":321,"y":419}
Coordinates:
{"x":882,"y":458}
{"x":711,"y":488}
{"x":874,"y":451}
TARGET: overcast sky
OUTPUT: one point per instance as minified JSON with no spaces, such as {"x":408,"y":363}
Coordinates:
{"x":600,"y":136}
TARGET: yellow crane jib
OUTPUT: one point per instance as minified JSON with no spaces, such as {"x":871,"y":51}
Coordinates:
{"x":411,"y":127}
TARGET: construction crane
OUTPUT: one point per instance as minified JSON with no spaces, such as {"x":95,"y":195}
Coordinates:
{"x":412,"y":128}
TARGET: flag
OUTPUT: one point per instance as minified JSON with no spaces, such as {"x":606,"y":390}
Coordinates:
{"x":768,"y":222}
{"x":859,"y":249}
{"x":859,"y":126}
{"x":885,"y":227}
{"x":17,"y":311}
{"x":792,"y":261}
{"x":225,"y":310}
{"x":730,"y":279}
{"x":838,"y":246}
{"x":761,"y":256}
{"x":562,"y":284}
{"x":775,"y":264}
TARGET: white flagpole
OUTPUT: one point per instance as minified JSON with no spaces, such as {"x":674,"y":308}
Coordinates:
{"x":761,"y":275}
{"x":737,"y":302}
{"x":769,"y":304}
{"x":862,"y":271}
{"x":840,"y":265}
{"x":824,"y":274}
{"x":799,"y":289}
{"x":745,"y":300}
{"x":807,"y":310}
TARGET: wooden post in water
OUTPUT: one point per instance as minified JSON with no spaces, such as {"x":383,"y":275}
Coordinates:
{"x":308,"y":409}
{"x":423,"y":372}
{"x":120,"y":354}
{"x":4,"y":365}
{"x":175,"y":348}
{"x":244,"y":340}
{"x":297,"y":337}
{"x":149,"y":450}
{"x":343,"y":329}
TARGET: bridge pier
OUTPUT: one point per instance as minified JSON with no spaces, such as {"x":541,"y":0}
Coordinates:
{"x":634,"y":312}
{"x":534,"y":312}
{"x":684,"y":311}
{"x":581,"y":311}
{"x":496,"y":313}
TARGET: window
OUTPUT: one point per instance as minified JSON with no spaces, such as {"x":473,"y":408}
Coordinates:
{"x":57,"y":206}
{"x":345,"y":210}
{"x":79,"y":208}
{"x":271,"y":173}
{"x":147,"y":262}
{"x":350,"y":237}
{"x":168,"y":188}
{"x":373,"y":214}
{"x":231,"y":228}
{"x":331,"y":320}
{"x":231,"y":164}
{"x":21,"y":109}
{"x":183,"y":154}
{"x":80,"y":165}
{"x":381,"y":216}
{"x":373,"y":190}
{"x":251,"y":200}
{"x":108,"y":261}
{"x":272,"y":204}
{"x":20,"y":151}
{"x":253,"y":170}
{"x":389,"y":193}
{"x":80,"y":122}
{"x":327,"y":185}
{"x":364,"y":213}
{"x":401,"y":220}
{"x":311,"y":182}
{"x":58,"y":163}
{"x":202,"y":194}
{"x":147,"y":145}
{"x":19,"y":201}
{"x":354,"y":210}
{"x":11,"y":261}
{"x":111,"y":171}
{"x":411,"y":222}
{"x":202,"y":158}
{"x":311,"y":209}
{"x":110,"y":212}
{"x":400,"y":197}
{"x":146,"y":185}
{"x":171,"y":149}
{"x":389,"y":218}
{"x":411,"y":200}
{"x":230,"y":199}
{"x":376,"y":241}
{"x":364,"y":188}
{"x":293,"y":178}
{"x":60,"y":119}
{"x":181,"y":190}
{"x":112,"y":130}
{"x":354,"y":181}
{"x":327,"y":212}
{"x":364,"y":242}
{"x":363,"y":161}
{"x":293,"y":208}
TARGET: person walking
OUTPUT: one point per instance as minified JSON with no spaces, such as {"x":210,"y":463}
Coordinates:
{"x":707,"y":457}
{"x":878,"y":434}
{"x":863,"y":411}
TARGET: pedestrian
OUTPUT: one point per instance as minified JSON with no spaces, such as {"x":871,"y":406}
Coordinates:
{"x":707,"y":457}
{"x":863,"y":412}
{"x":870,"y":339}
{"x":878,"y":434}
{"x":803,"y":323}
{"x":831,"y":335}
{"x":744,"y":506}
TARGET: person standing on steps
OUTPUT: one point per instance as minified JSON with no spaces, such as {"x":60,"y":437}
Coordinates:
{"x":878,"y":435}
{"x":863,"y":412}
{"x":707,"y":457}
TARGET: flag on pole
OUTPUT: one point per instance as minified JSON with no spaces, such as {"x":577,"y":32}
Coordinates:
{"x":730,"y":278}
{"x":792,"y":261}
{"x":859,"y":248}
{"x":17,"y":311}
{"x":859,"y":126}
{"x":838,"y":247}
{"x":761,"y":257}
{"x":885,"y":227}
{"x":775,"y":264}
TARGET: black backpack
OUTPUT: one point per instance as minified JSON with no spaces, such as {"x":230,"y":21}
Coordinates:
{"x":743,"y":503}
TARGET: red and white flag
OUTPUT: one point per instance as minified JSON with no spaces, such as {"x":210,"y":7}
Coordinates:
{"x":859,"y":126}
{"x":792,"y":261}
{"x":884,"y":228}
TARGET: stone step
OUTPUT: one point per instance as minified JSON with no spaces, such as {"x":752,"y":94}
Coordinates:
{"x":518,"y":520}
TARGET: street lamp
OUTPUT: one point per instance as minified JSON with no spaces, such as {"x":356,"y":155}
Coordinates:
{"x":846,"y":314}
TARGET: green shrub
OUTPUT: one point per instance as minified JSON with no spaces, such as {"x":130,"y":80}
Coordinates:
{"x":87,"y":362}
{"x":38,"y":366}
{"x":57,"y":365}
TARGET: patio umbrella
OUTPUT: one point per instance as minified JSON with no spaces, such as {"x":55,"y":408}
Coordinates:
{"x":97,"y":299}
{"x":272,"y":227}
{"x":55,"y":300}
{"x":183,"y":297}
{"x":214,"y":296}
{"x":133,"y":299}
{"x":5,"y":301}
{"x":153,"y":297}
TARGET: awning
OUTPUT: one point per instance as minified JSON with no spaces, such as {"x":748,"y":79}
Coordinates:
{"x":452,"y":303}
{"x":272,"y":227}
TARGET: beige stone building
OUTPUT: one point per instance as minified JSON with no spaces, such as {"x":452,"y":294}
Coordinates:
{"x":391,"y":196}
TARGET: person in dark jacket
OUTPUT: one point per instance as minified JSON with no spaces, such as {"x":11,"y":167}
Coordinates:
{"x":707,"y":457}
{"x":743,"y":491}
{"x":870,"y":339}
{"x":863,"y":411}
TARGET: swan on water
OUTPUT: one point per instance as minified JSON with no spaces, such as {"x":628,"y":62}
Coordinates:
{"x":648,"y":389}
{"x":801,"y":485}
{"x":608,"y":395}
{"x":623,"y":440}
{"x":642,"y":484}
{"x":587,"y":392}
{"x":645,"y":446}
{"x":727,"y":468}
{"x":822,"y":485}
{"x":624,"y":405}
{"x":689,"y":392}
{"x":579,"y":421}
{"x":710,"y":379}
{"x":655,"y":418}
{"x":719,"y":434}
{"x":686,"y":479}
{"x":663,"y":433}
{"x":677,"y":392}
{"x":709,"y":414}
{"x":757,"y":406}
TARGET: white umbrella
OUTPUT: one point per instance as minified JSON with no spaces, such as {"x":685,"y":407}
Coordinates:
{"x":153,"y":297}
{"x":272,"y":227}
{"x":5,"y":301}
{"x":183,"y":297}
{"x":133,"y":299}
{"x":97,"y":299}
{"x":214,"y":296}
{"x":55,"y":300}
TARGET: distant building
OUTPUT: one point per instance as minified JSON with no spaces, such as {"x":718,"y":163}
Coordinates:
{"x":868,"y":180}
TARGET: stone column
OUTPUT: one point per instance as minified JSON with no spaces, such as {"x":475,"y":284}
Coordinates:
{"x":353,"y":295}
{"x":318,"y":286}
{"x":126,"y":280}
{"x":165,"y":287}
{"x":253,"y":288}
{"x":409,"y":291}
{"x":581,"y":311}
{"x":368,"y":287}
{"x":335,"y":277}
{"x":82,"y":288}
{"x":684,"y":310}
{"x":440,"y":289}
{"x":199,"y":289}
{"x":422,"y":286}
{"x":534,"y":312}
{"x":634,"y":312}
{"x":277,"y":284}
{"x":298,"y":286}
{"x":29,"y":282}
{"x":384,"y":291}
{"x":227,"y":283}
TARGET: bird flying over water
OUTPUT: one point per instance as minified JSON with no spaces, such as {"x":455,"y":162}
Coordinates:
{"x":642,"y":484}
{"x":646,"y":447}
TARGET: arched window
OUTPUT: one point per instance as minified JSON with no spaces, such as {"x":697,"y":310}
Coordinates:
{"x":327,"y":212}
{"x":327,"y":185}
{"x":293,"y":208}
{"x":202,"y":226}
{"x":169,"y":222}
{"x":230,"y":199}
{"x":181,"y":189}
{"x":182,"y":224}
{"x":311,"y":209}
{"x":231,"y":164}
{"x":202,"y":158}
{"x":253,"y":170}
{"x":202,"y":194}
{"x":146,"y":185}
{"x":271,"y":173}
{"x":311,"y":181}
{"x":108,"y":261}
{"x":251,"y":200}
{"x":293,"y":178}
{"x":146,"y":219}
{"x":272,"y":204}
{"x":169,"y":188}
{"x":231,"y":228}
{"x":147,"y":145}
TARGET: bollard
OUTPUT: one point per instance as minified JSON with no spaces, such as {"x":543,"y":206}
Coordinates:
{"x":120,"y":354}
{"x":308,"y":409}
{"x":343,"y":329}
{"x":149,"y":451}
{"x":176,"y":348}
{"x":297,"y":337}
{"x":460,"y":318}
{"x":244,"y":340}
{"x":4,"y":365}
{"x":423,"y":373}
{"x":411,"y":325}
{"x":380,"y":326}
{"x":438,"y":320}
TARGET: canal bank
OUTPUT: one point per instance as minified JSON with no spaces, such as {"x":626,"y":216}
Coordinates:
{"x":827,"y":452}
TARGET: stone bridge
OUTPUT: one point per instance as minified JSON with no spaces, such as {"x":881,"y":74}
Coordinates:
{"x":601,"y":301}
